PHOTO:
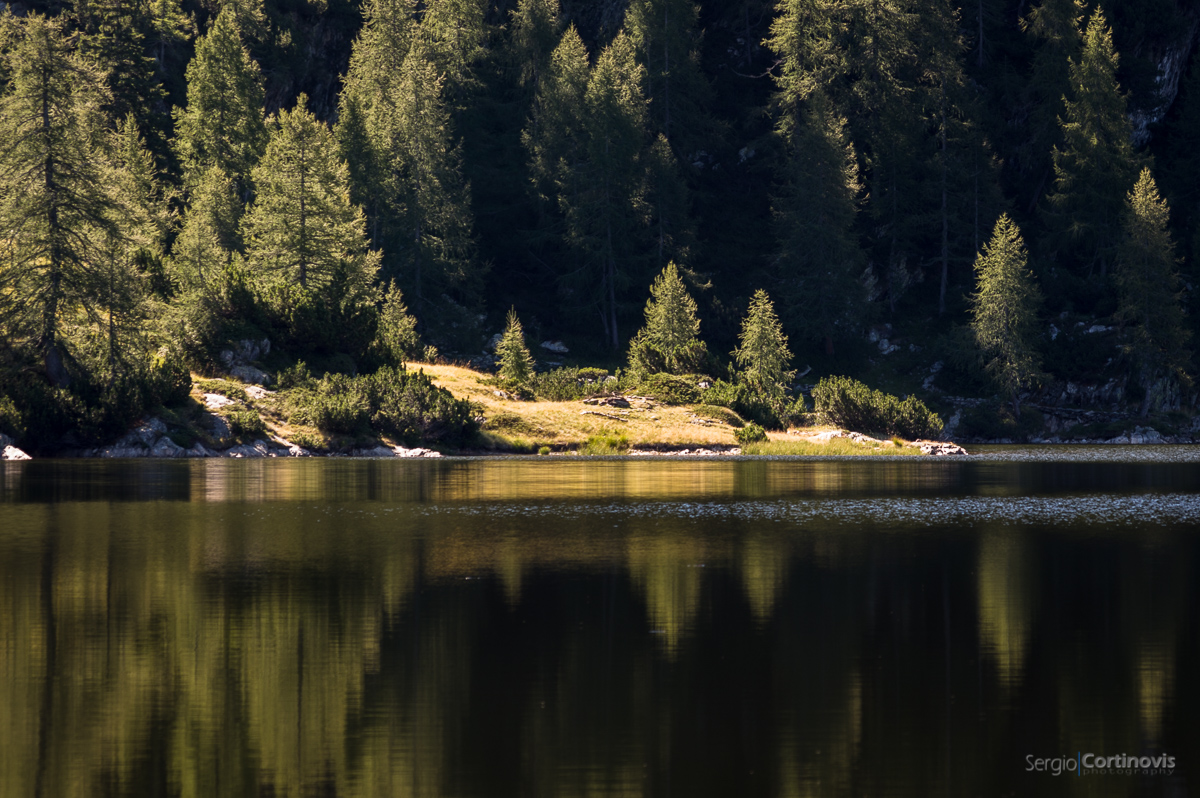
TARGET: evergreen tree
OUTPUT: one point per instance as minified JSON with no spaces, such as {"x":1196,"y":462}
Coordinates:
{"x":536,"y":30}
{"x":454,"y":34}
{"x":303,"y":235}
{"x":1150,"y":294}
{"x":762,"y":351}
{"x":1096,"y":166}
{"x":396,"y":338}
{"x":396,"y":129}
{"x":56,"y":212}
{"x":516,"y":364}
{"x":603,"y":197}
{"x":554,"y":135}
{"x":222,"y":124}
{"x":210,"y":232}
{"x":819,"y":260}
{"x":669,"y":340}
{"x":666,"y":38}
{"x":1054,"y":26}
{"x":1004,"y":312}
{"x":143,"y":214}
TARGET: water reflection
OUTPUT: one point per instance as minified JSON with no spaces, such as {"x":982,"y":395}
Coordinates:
{"x":721,"y":628}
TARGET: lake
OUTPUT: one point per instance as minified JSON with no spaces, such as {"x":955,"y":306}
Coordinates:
{"x":564,"y":626}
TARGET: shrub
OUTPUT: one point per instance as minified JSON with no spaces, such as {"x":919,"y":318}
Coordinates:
{"x":543,"y":450}
{"x":567,"y":384}
{"x":245,"y":423}
{"x":670,"y":389}
{"x":296,"y":376}
{"x":745,"y":401}
{"x":605,"y":443}
{"x":11,"y":423}
{"x":408,"y":405}
{"x":224,"y":388}
{"x":306,"y":440}
{"x":719,"y":413}
{"x":751,"y":433}
{"x":340,"y":405}
{"x":848,"y":403}
{"x":169,"y":381}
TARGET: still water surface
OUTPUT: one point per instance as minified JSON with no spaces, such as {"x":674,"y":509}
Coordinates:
{"x":572,"y":627}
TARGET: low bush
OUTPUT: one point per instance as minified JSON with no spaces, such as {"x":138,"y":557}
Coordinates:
{"x":245,"y":423}
{"x":718,"y":413}
{"x":11,"y":423}
{"x":605,"y":443}
{"x":393,"y":400}
{"x":744,"y":401}
{"x":567,"y":384}
{"x":849,"y":404}
{"x":230,"y":390}
{"x":671,"y":389}
{"x":294,"y":376}
{"x":751,"y":433}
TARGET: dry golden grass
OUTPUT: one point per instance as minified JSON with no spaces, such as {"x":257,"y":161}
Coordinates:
{"x":568,"y":424}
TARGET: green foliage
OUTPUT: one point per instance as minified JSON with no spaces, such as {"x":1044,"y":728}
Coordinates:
{"x":1096,"y":165}
{"x":222,"y":125}
{"x":762,"y":351}
{"x":819,"y":259}
{"x":1150,"y":292}
{"x":849,"y":404}
{"x":245,"y":423}
{"x":516,"y":364}
{"x":295,"y":376}
{"x":1004,"y":311}
{"x":605,"y":444}
{"x":748,"y":403}
{"x":543,"y":450}
{"x":671,"y":389}
{"x":751,"y":433}
{"x":306,"y":247}
{"x":567,"y":384}
{"x":396,"y":339}
{"x":11,"y":422}
{"x":394,"y":401}
{"x":668,"y":342}
{"x":229,"y":390}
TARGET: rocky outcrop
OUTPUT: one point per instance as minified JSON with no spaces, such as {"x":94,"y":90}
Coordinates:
{"x":382,"y":451}
{"x":10,"y":452}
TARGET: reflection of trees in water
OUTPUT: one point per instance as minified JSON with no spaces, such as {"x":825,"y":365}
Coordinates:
{"x":224,"y":649}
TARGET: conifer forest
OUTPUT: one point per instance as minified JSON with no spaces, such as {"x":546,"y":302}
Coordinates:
{"x":973,"y":198}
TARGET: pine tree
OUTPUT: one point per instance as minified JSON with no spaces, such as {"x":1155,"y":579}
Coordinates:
{"x":396,"y":338}
{"x":222,"y":124}
{"x":762,"y":351}
{"x":1150,"y":294}
{"x":665,"y":36}
{"x":396,"y":130}
{"x":554,"y":135}
{"x":1054,"y":25}
{"x":1096,"y":166}
{"x":302,"y":232}
{"x":603,"y":196}
{"x":210,"y":233}
{"x":56,"y":212}
{"x":454,"y":34}
{"x":819,"y":261}
{"x":516,"y":364}
{"x":669,"y":341}
{"x":536,"y":30}
{"x":1004,"y":312}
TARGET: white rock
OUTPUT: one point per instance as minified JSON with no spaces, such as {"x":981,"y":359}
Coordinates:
{"x":13,"y":453}
{"x":250,"y":374}
{"x":557,"y":347}
{"x":199,"y":450}
{"x":257,"y":392}
{"x":215,"y":401}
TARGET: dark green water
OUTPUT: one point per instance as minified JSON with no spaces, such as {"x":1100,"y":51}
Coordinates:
{"x":555,"y":627}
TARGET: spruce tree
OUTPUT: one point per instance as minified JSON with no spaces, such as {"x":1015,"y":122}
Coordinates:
{"x":603,"y":197}
{"x":396,"y":129}
{"x":222,"y":124}
{"x":819,"y":261}
{"x":210,"y":233}
{"x":1096,"y":165}
{"x":666,"y":38}
{"x":1054,"y":26}
{"x":1004,"y":312}
{"x":669,"y":341}
{"x":762,"y":352}
{"x":536,"y":27}
{"x":554,"y":135}
{"x":302,"y":232}
{"x":516,"y":364}
{"x":1150,"y":295}
{"x":56,"y":212}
